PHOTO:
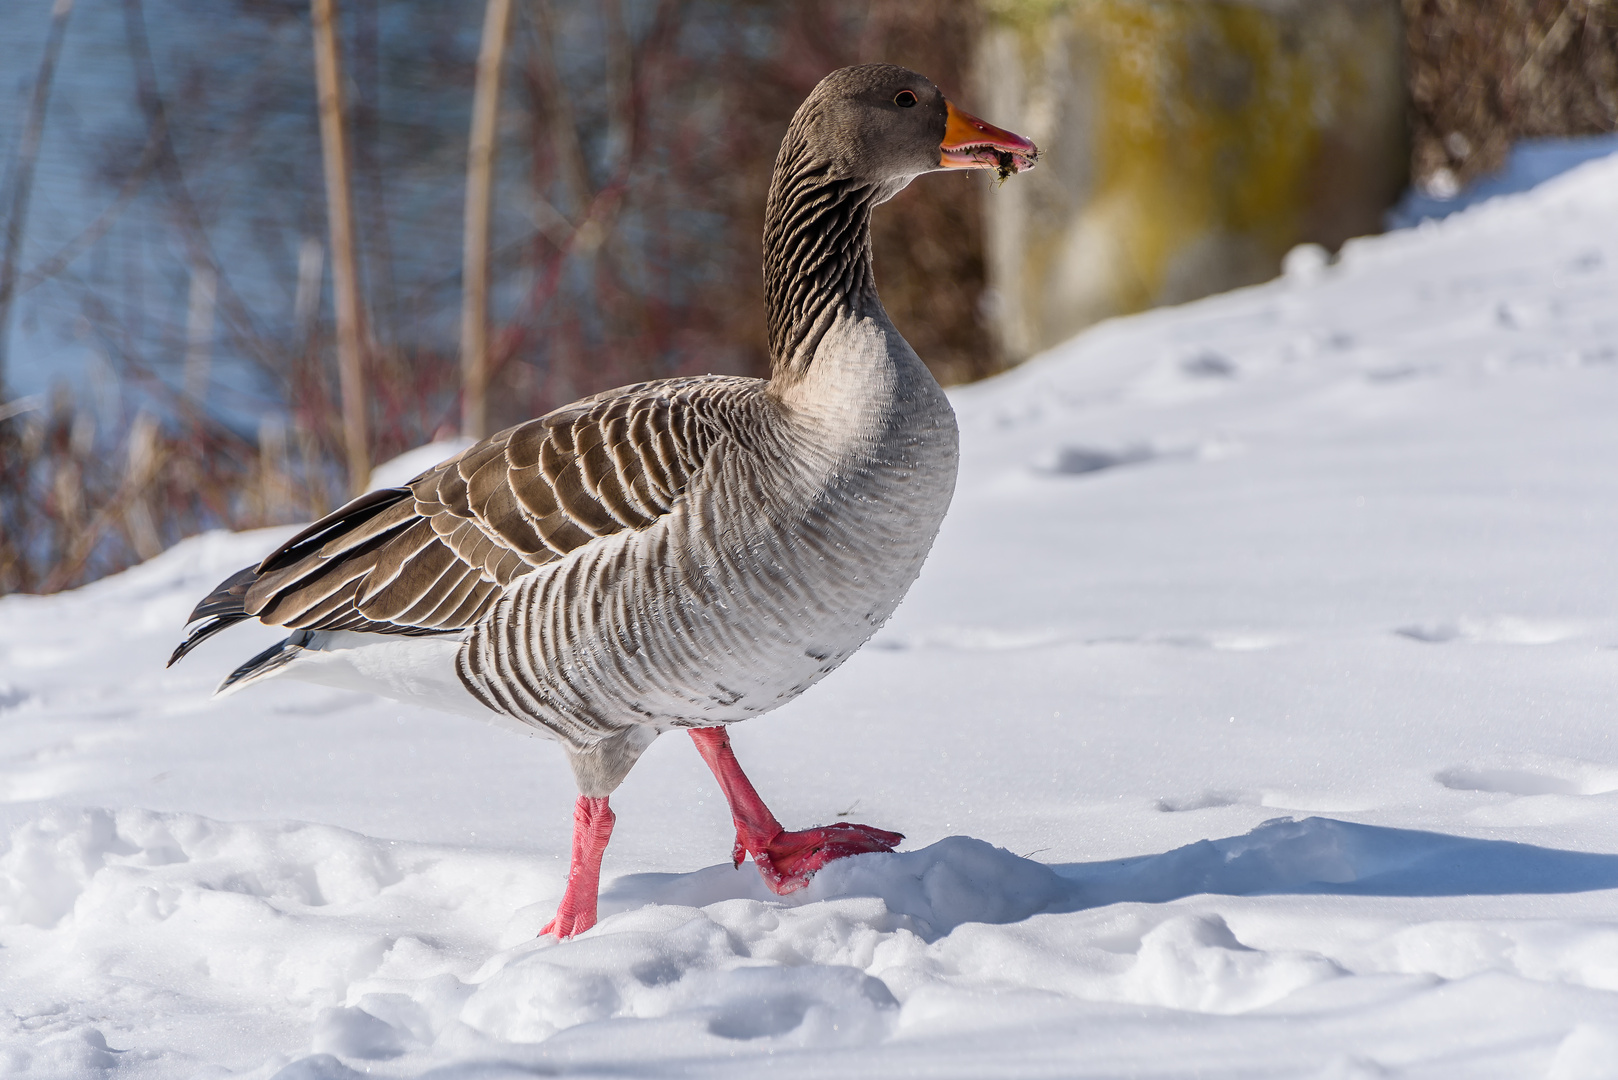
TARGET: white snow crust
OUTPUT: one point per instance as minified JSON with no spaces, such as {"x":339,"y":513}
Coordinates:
{"x":1254,"y":717}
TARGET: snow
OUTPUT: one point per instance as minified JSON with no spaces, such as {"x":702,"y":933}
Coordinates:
{"x":408,"y":465}
{"x":1253,"y":718}
{"x":1530,"y":163}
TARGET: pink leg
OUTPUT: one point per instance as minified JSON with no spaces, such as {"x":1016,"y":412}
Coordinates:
{"x":786,"y":860}
{"x":592,"y":828}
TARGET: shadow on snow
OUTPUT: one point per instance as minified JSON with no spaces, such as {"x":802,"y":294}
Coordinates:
{"x":961,"y":879}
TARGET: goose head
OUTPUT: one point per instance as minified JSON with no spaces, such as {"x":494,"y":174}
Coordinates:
{"x":856,"y":141}
{"x":885,"y":125}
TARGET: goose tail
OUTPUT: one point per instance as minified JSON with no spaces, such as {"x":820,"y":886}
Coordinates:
{"x":265,"y":664}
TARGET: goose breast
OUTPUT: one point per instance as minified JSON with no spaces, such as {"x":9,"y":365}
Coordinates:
{"x":806,"y":524}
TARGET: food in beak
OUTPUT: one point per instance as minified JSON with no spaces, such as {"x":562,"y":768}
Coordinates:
{"x":970,"y":143}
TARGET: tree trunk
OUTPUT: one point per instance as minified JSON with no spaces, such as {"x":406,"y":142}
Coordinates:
{"x":340,"y":216}
{"x":479,"y":197}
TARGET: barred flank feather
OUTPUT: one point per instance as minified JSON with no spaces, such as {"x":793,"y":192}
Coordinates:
{"x":432,"y":556}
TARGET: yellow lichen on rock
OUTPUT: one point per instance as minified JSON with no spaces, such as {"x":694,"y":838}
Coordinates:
{"x":1188,"y":145}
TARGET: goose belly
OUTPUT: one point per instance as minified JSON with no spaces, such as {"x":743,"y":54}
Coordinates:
{"x":419,"y":670}
{"x":760,"y":584}
{"x":817,"y":578}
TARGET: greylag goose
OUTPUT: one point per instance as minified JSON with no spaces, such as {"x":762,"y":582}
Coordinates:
{"x":684,"y":553}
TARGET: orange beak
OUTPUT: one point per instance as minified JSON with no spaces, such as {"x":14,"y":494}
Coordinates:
{"x":969,"y":143}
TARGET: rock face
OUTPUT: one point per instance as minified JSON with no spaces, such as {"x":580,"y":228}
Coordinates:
{"x":1188,"y":145}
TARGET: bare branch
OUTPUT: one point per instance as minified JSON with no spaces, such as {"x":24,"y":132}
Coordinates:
{"x":92,"y":233}
{"x":198,"y":248}
{"x":23,"y":184}
{"x":620,"y":85}
{"x":558,"y":105}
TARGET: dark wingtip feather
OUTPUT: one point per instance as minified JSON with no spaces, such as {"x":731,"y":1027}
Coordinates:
{"x":219,"y":609}
{"x":276,"y":656}
{"x":227,"y":598}
{"x":202,"y":633}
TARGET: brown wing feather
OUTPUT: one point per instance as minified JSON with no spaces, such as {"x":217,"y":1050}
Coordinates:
{"x":431,"y":557}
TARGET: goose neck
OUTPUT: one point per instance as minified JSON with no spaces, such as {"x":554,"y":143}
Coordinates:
{"x":817,"y":258}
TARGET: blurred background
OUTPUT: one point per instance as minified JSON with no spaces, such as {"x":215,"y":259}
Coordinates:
{"x":252,"y":247}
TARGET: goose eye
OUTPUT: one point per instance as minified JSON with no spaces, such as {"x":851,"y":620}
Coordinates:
{"x":904,"y":99}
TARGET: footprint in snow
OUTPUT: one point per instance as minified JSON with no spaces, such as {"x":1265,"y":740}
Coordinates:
{"x":974,"y":639}
{"x":1208,"y":365}
{"x":1084,"y":460}
{"x":1536,"y":778}
{"x":1079,"y":460}
{"x":1218,"y":641}
{"x":1207,"y":800}
{"x":1492,"y":630}
{"x":998,"y":639}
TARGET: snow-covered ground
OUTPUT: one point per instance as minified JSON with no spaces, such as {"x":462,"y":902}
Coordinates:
{"x":1254,"y":717}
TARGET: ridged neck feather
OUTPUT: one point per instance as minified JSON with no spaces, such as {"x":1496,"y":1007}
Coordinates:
{"x":817,"y":252}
